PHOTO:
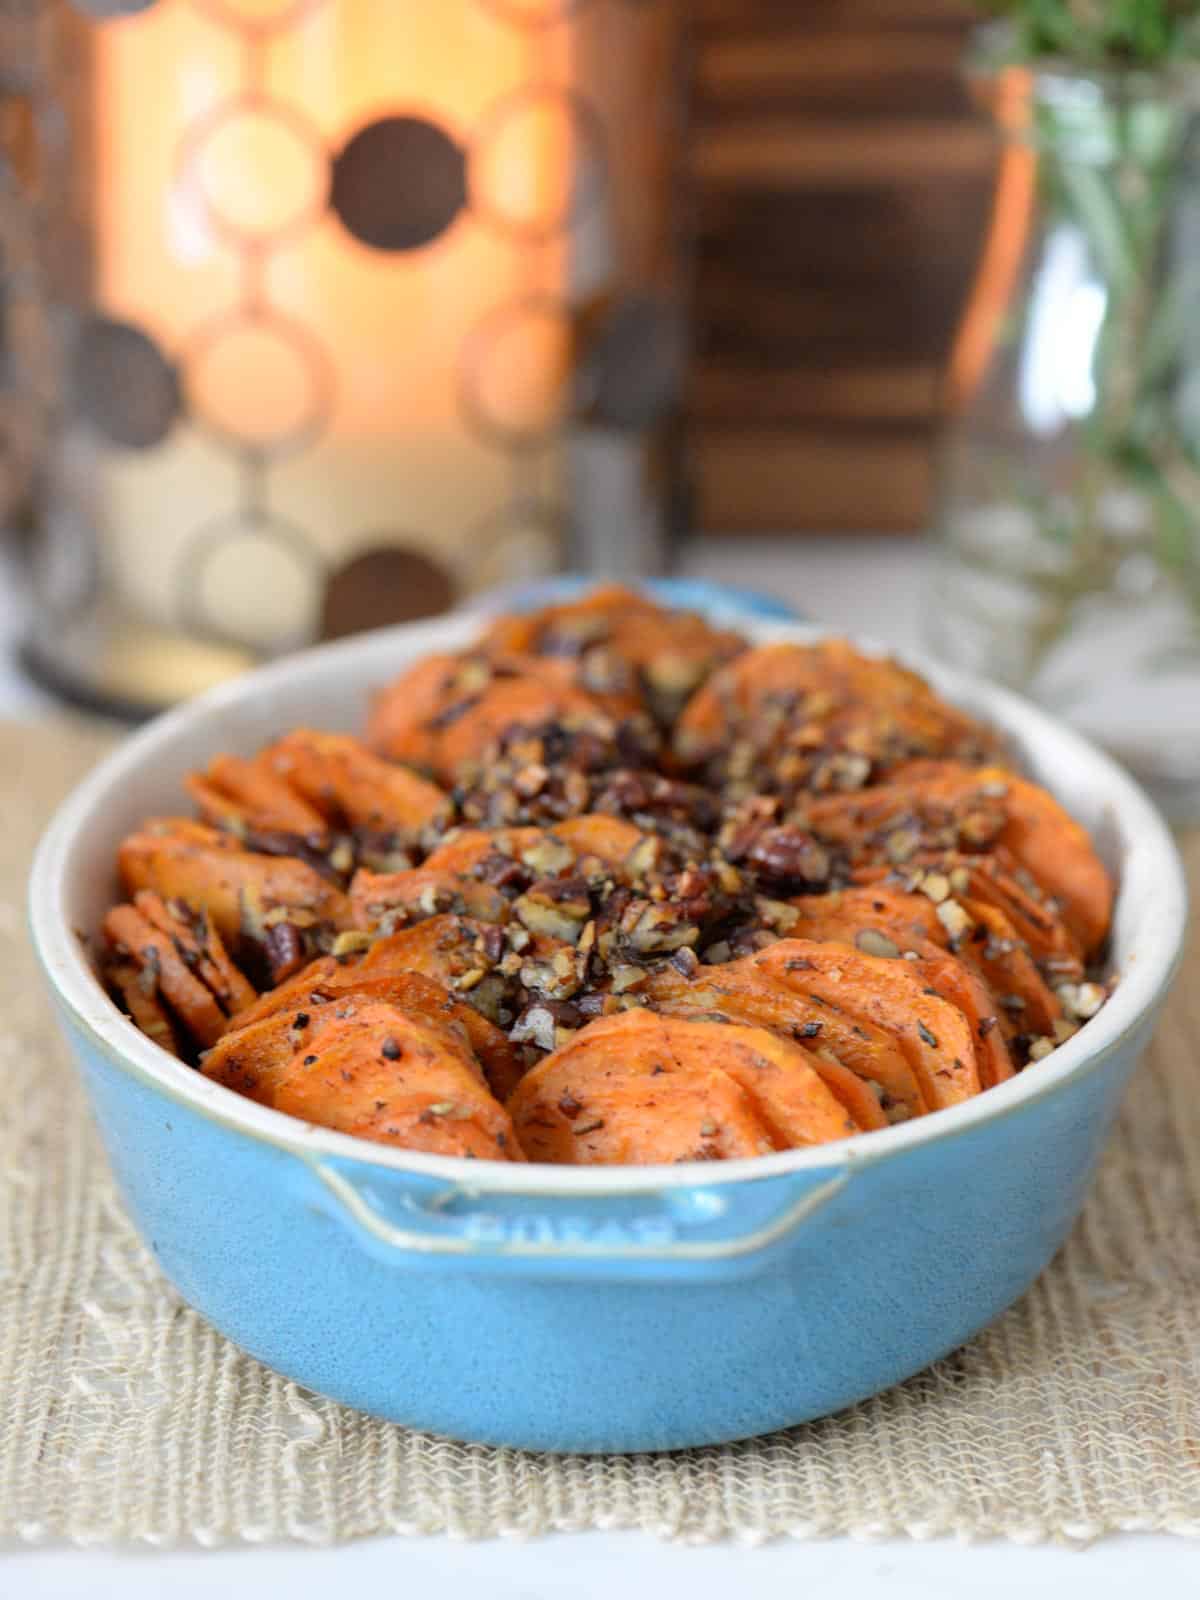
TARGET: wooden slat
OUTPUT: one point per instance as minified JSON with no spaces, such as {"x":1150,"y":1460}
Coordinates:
{"x":842,"y":180}
{"x":746,"y":16}
{"x":741,"y":396}
{"x":806,"y":155}
{"x":729,"y":65}
{"x":767,"y":480}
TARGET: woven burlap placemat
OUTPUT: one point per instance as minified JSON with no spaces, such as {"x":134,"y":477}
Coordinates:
{"x":124,"y":1417}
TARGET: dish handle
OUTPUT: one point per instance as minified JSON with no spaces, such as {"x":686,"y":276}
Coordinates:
{"x":645,"y":1232}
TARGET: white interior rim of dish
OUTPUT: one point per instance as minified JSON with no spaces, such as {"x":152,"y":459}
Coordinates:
{"x":373,"y":657}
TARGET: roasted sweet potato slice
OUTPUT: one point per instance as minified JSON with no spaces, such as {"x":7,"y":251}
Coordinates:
{"x":462,"y":852}
{"x":314,"y":984}
{"x":641,"y":1087}
{"x":1027,"y":1004}
{"x":509,"y":703}
{"x":461,"y":875}
{"x":209,"y":871}
{"x":254,"y":1056}
{"x":740,"y":990}
{"x":135,"y":987}
{"x":894,"y":820}
{"x":404,"y":716}
{"x":933,"y":1034}
{"x":995,"y":880}
{"x":386,"y":898}
{"x":301,"y":1002}
{"x":884,"y":910}
{"x":446,"y":948}
{"x":133,"y":938}
{"x":566,"y":630}
{"x":446,"y":713}
{"x":327,"y":980}
{"x":1030,"y":824}
{"x":199,"y":943}
{"x":244,"y":794}
{"x":349,"y":784}
{"x":808,"y":692}
{"x":986,"y":942}
{"x":607,"y":839}
{"x":621,"y":640}
{"x":849,"y":1090}
{"x":368,"y":1068}
{"x":889,"y":923}
{"x":954,"y":981}
{"x":470,"y":959}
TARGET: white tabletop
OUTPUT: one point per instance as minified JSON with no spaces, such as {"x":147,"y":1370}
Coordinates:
{"x":872,"y":586}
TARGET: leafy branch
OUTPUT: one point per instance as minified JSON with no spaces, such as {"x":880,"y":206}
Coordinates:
{"x":1113,"y":35}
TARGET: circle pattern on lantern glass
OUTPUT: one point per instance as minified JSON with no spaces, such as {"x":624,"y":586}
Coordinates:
{"x":260,"y":381}
{"x":515,"y":378}
{"x":389,"y":581}
{"x":260,"y":16}
{"x":521,"y":541}
{"x":252,"y":581}
{"x":123,"y":385}
{"x":398,"y":183}
{"x":258,"y":169}
{"x":534,"y":13}
{"x":537,"y":161}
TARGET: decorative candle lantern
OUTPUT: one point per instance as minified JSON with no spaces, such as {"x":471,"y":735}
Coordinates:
{"x":379,"y":306}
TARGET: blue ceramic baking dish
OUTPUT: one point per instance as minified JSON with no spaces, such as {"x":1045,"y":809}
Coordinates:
{"x":590,"y":1309}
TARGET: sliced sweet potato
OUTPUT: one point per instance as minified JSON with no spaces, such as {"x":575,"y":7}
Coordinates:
{"x":209,"y":871}
{"x":314,"y":984}
{"x":893,"y":820}
{"x":329,"y":980}
{"x":199,"y":943}
{"x":933,"y":1034}
{"x":389,"y":897}
{"x":878,"y":706}
{"x":566,"y":631}
{"x":608,"y":839}
{"x":134,"y":939}
{"x":641,"y":1087}
{"x":371,"y":1069}
{"x":740,"y":990}
{"x":889,"y":923}
{"x":954,"y":981}
{"x":253,"y":1057}
{"x":509,"y":703}
{"x":1027,"y":1003}
{"x":883,"y":909}
{"x":232,"y":791}
{"x":1047,"y":842}
{"x":849,"y":1090}
{"x":402,"y":724}
{"x":136,"y":989}
{"x":349,"y":784}
{"x":989,"y":946}
{"x":621,"y":640}
{"x":995,"y":880}
{"x":445,"y":947}
{"x":447,"y":712}
{"x":463,"y":850}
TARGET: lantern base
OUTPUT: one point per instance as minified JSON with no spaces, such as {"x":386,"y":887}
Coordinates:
{"x":122,"y":666}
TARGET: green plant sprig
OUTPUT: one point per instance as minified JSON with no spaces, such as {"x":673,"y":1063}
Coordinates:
{"x":1118,"y":35}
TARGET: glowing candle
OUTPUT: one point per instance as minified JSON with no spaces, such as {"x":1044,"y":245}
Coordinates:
{"x":343,"y":227}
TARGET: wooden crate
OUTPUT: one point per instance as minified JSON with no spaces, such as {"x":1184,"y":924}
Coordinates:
{"x":842,"y":184}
